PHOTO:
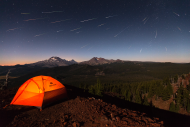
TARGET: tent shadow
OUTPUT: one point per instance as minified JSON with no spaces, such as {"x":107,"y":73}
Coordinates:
{"x":170,"y":119}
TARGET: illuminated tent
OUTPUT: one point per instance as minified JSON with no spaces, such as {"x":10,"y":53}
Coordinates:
{"x":39,"y":91}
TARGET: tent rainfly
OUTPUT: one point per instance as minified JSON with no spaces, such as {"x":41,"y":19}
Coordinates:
{"x":39,"y":91}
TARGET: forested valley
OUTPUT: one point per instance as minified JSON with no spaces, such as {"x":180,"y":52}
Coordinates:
{"x":173,"y":92}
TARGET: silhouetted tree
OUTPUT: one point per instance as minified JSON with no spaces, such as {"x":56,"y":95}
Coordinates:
{"x":5,"y":85}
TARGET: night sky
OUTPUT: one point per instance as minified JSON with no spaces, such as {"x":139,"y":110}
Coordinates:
{"x":140,"y":30}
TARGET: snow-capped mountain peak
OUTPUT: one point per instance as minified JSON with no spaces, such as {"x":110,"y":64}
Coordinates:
{"x":54,"y":61}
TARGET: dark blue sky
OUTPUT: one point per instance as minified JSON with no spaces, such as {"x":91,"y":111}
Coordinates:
{"x":142,"y":30}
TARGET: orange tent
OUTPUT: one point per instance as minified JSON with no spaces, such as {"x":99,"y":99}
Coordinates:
{"x":39,"y":91}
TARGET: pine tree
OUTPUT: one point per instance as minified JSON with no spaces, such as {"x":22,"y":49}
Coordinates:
{"x":114,"y":90}
{"x":129,"y":96}
{"x":166,"y":81}
{"x":167,"y":92}
{"x":91,"y":89}
{"x":159,"y":90}
{"x":85,"y":87}
{"x":151,"y":104}
{"x":177,"y":108}
{"x":165,"y":95}
{"x":180,"y":95}
{"x":145,"y":101}
{"x":188,"y":106}
{"x":188,"y":87}
{"x":138,"y":98}
{"x":125,"y":94}
{"x":123,"y":90}
{"x":172,"y":107}
{"x":175,"y":78}
{"x":151,"y":91}
{"x":170,"y":89}
{"x":98,"y":88}
{"x":81,"y":85}
{"x":185,"y":98}
{"x":178,"y":98}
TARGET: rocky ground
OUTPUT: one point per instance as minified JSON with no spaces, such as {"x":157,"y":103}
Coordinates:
{"x":85,"y":110}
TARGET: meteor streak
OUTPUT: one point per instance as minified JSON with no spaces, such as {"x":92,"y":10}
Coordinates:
{"x":101,"y":25}
{"x":90,"y":47}
{"x":52,"y":12}
{"x":76,"y":29}
{"x":84,"y":46}
{"x":33,"y":19}
{"x":29,"y":19}
{"x":60,"y":21}
{"x":145,"y":21}
{"x":57,"y":11}
{"x":47,"y":12}
{"x":55,"y":21}
{"x":176,"y":14}
{"x":12,"y":29}
{"x":179,"y":28}
{"x":78,"y":32}
{"x":110,"y":16}
{"x":59,"y":31}
{"x":88,"y":20}
{"x":121,"y":32}
{"x":25,"y":13}
{"x":38,"y":35}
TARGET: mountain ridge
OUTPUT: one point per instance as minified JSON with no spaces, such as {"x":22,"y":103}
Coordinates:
{"x":53,"y":62}
{"x":57,"y":61}
{"x":99,"y":61}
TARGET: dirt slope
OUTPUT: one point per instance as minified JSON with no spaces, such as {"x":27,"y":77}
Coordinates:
{"x":81,"y":109}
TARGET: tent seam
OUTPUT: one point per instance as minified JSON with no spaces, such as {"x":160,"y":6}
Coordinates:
{"x":36,"y":84}
{"x":22,"y":91}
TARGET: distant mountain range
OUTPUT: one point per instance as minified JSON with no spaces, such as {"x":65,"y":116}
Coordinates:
{"x":99,"y":61}
{"x":56,"y":61}
{"x":53,"y":62}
